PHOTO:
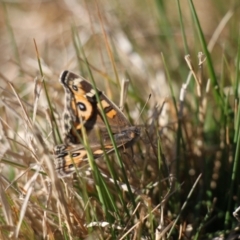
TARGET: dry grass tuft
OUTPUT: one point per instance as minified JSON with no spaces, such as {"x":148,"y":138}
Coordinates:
{"x":183,"y":175}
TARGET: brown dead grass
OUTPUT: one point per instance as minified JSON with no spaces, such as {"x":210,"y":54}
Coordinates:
{"x":36,"y":205}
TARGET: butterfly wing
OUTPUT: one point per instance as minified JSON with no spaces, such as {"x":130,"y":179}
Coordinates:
{"x":83,"y":110}
{"x":68,"y":158}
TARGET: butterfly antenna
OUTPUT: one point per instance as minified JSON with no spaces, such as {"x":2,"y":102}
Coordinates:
{"x":123,"y":97}
{"x":149,"y":96}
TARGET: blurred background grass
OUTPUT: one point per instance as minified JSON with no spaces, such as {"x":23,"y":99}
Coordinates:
{"x":148,"y":41}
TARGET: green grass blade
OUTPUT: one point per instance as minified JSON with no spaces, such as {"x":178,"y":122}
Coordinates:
{"x":216,"y":89}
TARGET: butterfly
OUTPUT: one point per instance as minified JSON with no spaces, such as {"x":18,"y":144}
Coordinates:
{"x":85,"y":111}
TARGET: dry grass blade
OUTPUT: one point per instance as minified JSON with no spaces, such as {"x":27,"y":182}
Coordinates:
{"x":37,"y":92}
{"x":139,"y":222}
{"x":123,"y":94}
{"x":107,"y":44}
{"x":5,"y":206}
{"x":185,"y":203}
{"x":29,"y":189}
{"x":25,"y":115}
{"x":219,"y":29}
{"x":161,"y":233}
